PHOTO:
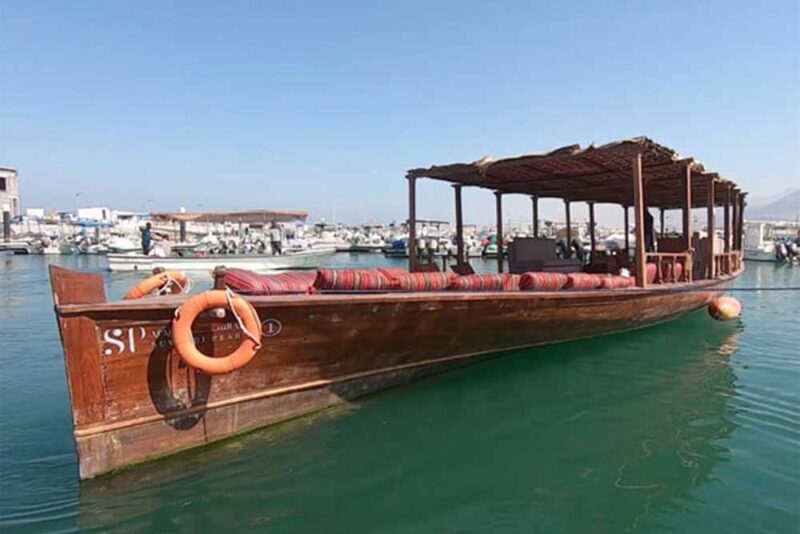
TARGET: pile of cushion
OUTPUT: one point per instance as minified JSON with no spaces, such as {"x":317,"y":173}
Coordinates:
{"x":397,"y":279}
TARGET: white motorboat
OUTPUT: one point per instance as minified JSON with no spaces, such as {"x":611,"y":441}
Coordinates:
{"x":761,"y":237}
{"x":301,"y":259}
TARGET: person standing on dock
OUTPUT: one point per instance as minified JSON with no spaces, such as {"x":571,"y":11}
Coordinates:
{"x":275,"y":238}
{"x":147,"y":238}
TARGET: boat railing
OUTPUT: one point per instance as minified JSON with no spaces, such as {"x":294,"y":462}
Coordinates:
{"x":727,"y":262}
{"x":666,"y":262}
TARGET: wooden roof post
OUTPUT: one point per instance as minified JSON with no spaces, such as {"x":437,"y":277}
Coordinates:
{"x":686,"y":184}
{"x":412,"y":223}
{"x":627,"y":231}
{"x":710,"y":270}
{"x":734,"y":200}
{"x":535,"y":202}
{"x":591,"y":231}
{"x":661,"y":221}
{"x":569,"y":229}
{"x":740,"y":230}
{"x":460,"y":259}
{"x":727,"y":218}
{"x":499,"y":200}
{"x":638,"y":212}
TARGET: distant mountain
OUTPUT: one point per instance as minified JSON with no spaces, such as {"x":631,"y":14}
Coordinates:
{"x":785,"y":207}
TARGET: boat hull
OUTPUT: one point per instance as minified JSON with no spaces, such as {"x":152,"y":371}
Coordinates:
{"x":133,"y":399}
{"x":139,"y":262}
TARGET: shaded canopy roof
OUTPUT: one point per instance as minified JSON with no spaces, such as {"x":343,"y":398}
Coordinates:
{"x":592,"y":174}
{"x":247,"y":216}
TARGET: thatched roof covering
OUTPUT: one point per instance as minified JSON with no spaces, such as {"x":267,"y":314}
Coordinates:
{"x":248,"y":216}
{"x":598,"y":174}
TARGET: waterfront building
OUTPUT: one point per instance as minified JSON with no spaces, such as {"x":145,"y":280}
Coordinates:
{"x":9,"y":189}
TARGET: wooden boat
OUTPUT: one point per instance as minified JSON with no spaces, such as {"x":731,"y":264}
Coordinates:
{"x":134,"y":398}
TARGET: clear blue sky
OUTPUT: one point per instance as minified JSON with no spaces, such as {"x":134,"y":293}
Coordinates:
{"x":324,"y":105}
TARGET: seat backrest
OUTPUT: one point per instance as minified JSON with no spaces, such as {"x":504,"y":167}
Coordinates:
{"x":524,"y":252}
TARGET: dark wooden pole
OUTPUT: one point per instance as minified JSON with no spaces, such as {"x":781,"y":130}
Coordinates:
{"x":6,"y":222}
{"x":710,"y":201}
{"x":591,"y":231}
{"x":412,"y":223}
{"x":734,"y":218}
{"x":687,"y":206}
{"x":638,"y":211}
{"x":661,"y":218}
{"x":499,"y":205}
{"x":727,"y":219}
{"x":627,"y":231}
{"x":569,"y":229}
{"x":535,"y":202}
{"x":459,"y":227}
{"x":183,"y":231}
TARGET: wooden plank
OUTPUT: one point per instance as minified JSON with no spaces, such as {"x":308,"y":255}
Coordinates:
{"x":627,"y":230}
{"x":639,"y":207}
{"x":686,"y":185}
{"x":592,"y":236}
{"x":569,"y":229}
{"x":710,"y":270}
{"x":461,"y":259}
{"x":499,"y":208}
{"x":412,"y":223}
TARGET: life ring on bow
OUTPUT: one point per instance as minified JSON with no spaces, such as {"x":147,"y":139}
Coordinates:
{"x":245,"y":315}
{"x":173,"y":281}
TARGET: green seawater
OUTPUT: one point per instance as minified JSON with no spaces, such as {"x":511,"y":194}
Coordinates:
{"x":689,"y":426}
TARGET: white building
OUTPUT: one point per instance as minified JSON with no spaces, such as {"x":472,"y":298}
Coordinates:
{"x":95,"y":214}
{"x":9,"y":190}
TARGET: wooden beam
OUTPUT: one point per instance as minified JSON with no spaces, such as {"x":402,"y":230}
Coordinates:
{"x":569,"y":229}
{"x":627,"y":231}
{"x":638,"y":210}
{"x":661,"y":222}
{"x":459,"y":228}
{"x":499,"y":205}
{"x":727,"y":219}
{"x":686,"y":184}
{"x":734,"y":219}
{"x":535,"y":202}
{"x":591,"y":231}
{"x":412,"y":224}
{"x":710,"y":270}
{"x":740,"y":231}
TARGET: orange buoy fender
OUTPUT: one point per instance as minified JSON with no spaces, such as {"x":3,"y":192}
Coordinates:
{"x":177,"y":280}
{"x":243,"y":311}
{"x":724,"y":308}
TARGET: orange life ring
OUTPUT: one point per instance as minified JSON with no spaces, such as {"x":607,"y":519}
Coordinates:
{"x":184,"y":341}
{"x":158,"y":282}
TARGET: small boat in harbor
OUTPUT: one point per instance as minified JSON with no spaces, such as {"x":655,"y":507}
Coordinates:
{"x":153,"y":376}
{"x":774,"y":241}
{"x":291,"y":259}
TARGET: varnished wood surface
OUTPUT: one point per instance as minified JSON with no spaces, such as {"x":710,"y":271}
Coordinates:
{"x":124,"y":375}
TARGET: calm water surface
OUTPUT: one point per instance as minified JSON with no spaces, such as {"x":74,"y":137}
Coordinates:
{"x":691,"y":426}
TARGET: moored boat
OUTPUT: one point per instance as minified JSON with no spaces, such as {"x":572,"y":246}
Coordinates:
{"x":265,"y":348}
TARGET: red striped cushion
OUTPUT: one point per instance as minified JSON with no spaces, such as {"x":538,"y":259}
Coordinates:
{"x":542,"y":281}
{"x":479,"y":282}
{"x":512,"y":282}
{"x":423,"y":282}
{"x":616,"y":282}
{"x":351,"y":280}
{"x":666,"y":271}
{"x":651,"y":272}
{"x":583,"y":281}
{"x":250,"y":283}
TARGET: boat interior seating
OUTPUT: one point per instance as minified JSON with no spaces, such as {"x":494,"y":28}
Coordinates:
{"x":538,"y":254}
{"x":399,"y":279}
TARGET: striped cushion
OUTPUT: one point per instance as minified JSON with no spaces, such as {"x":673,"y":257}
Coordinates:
{"x":479,"y":282}
{"x":651,"y":273}
{"x":423,"y":282}
{"x":583,"y":281}
{"x":542,"y":281}
{"x":351,"y":280}
{"x":250,"y":283}
{"x":666,"y":271}
{"x":616,"y":282}
{"x":512,"y":282}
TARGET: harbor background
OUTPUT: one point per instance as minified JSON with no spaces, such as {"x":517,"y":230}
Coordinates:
{"x":689,"y":426}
